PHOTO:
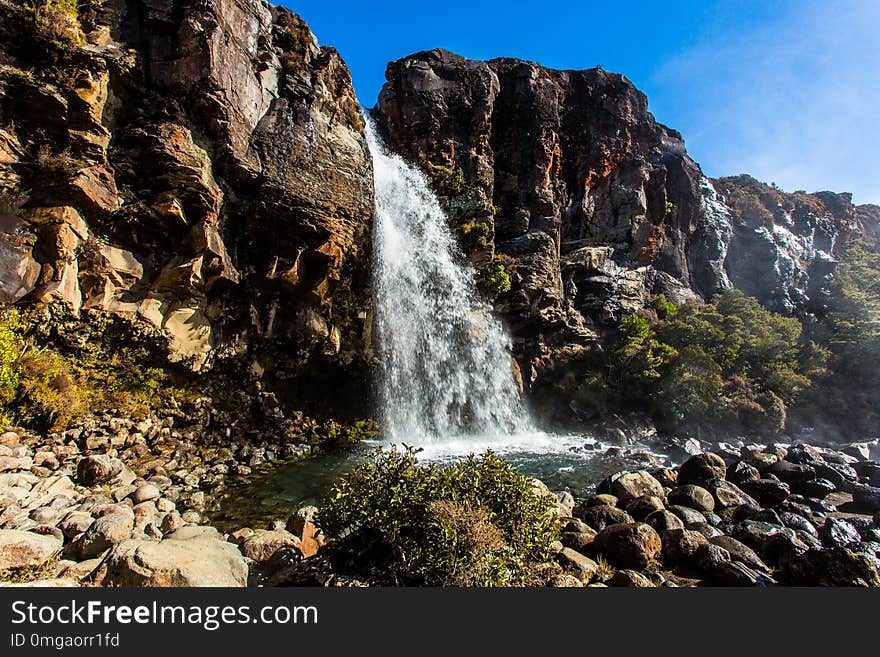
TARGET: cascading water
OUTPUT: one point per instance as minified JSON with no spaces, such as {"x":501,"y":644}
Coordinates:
{"x":446,"y":362}
{"x":447,"y":384}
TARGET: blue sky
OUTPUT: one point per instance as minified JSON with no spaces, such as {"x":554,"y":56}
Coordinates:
{"x":786,"y":91}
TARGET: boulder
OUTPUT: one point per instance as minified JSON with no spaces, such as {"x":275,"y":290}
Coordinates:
{"x":709,"y":557}
{"x":580,"y":540}
{"x":636,"y":484}
{"x":700,"y":468}
{"x":584,"y":566}
{"x":680,"y":545}
{"x":24,"y":549}
{"x":836,"y":533}
{"x":629,"y":545}
{"x":740,"y":552}
{"x":643,"y":506}
{"x":833,"y":567}
{"x":105,"y":532}
{"x":687,"y":514}
{"x":600,"y":516}
{"x":98,"y":469}
{"x":695,"y":497}
{"x":867,"y":498}
{"x":741,"y":471}
{"x":75,"y":523}
{"x":565,"y":504}
{"x":184,"y":558}
{"x":565,"y":581}
{"x":798,"y":523}
{"x":297,"y":521}
{"x":263,"y":543}
{"x":793,"y":474}
{"x":736,"y":573}
{"x":145,"y":493}
{"x":707,"y":530}
{"x":663,"y":521}
{"x":602,"y":499}
{"x":630,"y":579}
{"x":727,"y":494}
{"x":768,"y":492}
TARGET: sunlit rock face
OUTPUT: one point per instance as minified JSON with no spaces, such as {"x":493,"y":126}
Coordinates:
{"x":593,"y":206}
{"x":785,"y":245}
{"x":197,"y":167}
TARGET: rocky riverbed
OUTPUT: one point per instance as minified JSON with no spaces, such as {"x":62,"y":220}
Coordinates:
{"x":118,"y":502}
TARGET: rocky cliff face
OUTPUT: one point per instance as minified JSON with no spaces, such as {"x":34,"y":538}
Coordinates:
{"x":195,"y":167}
{"x":592,"y":206}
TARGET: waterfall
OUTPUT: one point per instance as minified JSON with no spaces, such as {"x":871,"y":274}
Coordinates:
{"x":446,"y":364}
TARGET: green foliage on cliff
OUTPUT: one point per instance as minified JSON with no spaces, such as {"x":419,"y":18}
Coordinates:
{"x":846,"y":395}
{"x":47,"y":386}
{"x":473,"y":236}
{"x":10,"y":350}
{"x":478,"y":522}
{"x":448,"y":180}
{"x":496,"y":280}
{"x":728,"y":362}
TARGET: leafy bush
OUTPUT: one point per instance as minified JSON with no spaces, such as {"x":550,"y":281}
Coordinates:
{"x":11,"y":346}
{"x":497,"y":280}
{"x":47,"y":386}
{"x":332,"y":434}
{"x":729,"y":363}
{"x":51,"y":388}
{"x":846,"y":349}
{"x":473,"y":236}
{"x":477,"y":522}
{"x":448,"y":180}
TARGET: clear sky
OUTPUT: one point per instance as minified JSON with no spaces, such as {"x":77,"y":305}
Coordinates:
{"x":788,"y":91}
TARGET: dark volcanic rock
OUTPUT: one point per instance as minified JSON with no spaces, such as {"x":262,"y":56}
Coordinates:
{"x":663,"y":521}
{"x":681,"y":545}
{"x":839,"y":533}
{"x":629,"y":545}
{"x":768,"y":492}
{"x":728,"y":495}
{"x":641,"y":507}
{"x":740,"y":552}
{"x":687,"y":514}
{"x":741,"y":472}
{"x":692,"y":496}
{"x":600,"y":516}
{"x":701,"y":468}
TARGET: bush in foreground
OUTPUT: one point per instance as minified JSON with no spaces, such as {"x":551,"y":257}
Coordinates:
{"x":478,"y":522}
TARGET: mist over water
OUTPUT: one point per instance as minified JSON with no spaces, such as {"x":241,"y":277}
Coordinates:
{"x":446,"y":364}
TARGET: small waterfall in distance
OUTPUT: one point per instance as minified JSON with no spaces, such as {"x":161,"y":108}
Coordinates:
{"x":447,"y":375}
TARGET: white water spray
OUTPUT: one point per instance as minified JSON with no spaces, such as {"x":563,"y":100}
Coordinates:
{"x":446,"y":361}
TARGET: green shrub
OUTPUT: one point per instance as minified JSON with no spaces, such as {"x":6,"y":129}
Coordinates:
{"x":50,"y":389}
{"x":448,"y":180}
{"x":477,"y":522}
{"x":473,"y":236}
{"x":497,"y":280}
{"x":730,"y":363}
{"x":463,"y":207}
{"x":11,"y":345}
